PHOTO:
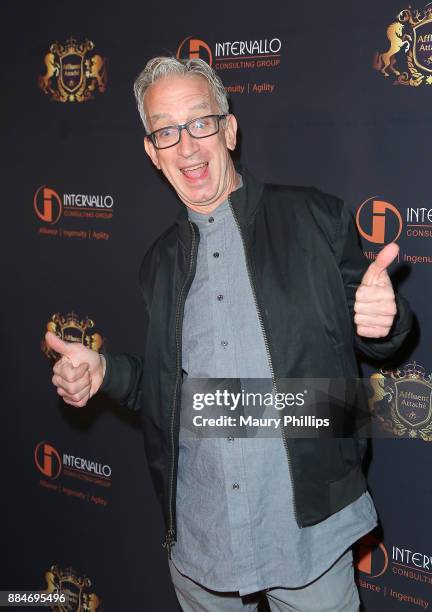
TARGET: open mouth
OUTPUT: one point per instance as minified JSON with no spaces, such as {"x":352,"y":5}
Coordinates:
{"x":195,"y":172}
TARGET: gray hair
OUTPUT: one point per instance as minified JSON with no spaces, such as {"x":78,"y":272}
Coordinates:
{"x":160,"y":67}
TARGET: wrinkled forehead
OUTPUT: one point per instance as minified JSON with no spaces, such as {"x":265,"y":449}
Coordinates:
{"x":176,"y":97}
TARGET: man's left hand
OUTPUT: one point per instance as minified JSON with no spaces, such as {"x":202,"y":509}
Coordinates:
{"x":375,"y":304}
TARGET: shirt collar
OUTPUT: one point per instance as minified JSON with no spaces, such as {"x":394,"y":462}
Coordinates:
{"x":245,"y":203}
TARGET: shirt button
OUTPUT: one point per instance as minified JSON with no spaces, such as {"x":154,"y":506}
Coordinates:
{"x":215,"y":254}
{"x":210,"y":219}
{"x":224,"y":343}
{"x":236,"y":485}
{"x":220,"y":297}
{"x":230,"y":439}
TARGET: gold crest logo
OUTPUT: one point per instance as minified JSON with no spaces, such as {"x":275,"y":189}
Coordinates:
{"x":402,"y":401}
{"x":75,"y":587}
{"x":409,"y":56}
{"x":72,"y":74}
{"x":71,"y":328}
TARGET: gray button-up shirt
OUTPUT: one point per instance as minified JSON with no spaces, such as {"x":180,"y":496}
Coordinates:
{"x":236,"y":529}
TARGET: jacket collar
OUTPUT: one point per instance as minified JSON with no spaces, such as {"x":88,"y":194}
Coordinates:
{"x":244,"y":201}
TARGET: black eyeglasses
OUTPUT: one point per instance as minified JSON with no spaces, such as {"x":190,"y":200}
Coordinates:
{"x":201,"y":127}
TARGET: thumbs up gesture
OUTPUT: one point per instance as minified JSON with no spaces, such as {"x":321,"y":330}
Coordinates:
{"x":79,"y":373}
{"x":375,"y":304}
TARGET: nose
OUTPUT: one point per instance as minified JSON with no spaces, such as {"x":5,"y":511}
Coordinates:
{"x":188,"y":145}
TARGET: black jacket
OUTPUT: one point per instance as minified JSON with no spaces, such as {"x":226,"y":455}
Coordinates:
{"x":305,"y":264}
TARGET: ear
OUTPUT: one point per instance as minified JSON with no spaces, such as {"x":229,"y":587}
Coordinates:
{"x":151,"y":151}
{"x":231,"y":132}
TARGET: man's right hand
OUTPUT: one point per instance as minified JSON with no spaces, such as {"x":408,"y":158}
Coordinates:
{"x":79,"y":373}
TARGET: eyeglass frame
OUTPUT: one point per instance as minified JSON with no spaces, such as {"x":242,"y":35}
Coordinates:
{"x":185,"y":126}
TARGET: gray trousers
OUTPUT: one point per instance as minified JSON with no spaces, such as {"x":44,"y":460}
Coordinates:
{"x":334,"y":591}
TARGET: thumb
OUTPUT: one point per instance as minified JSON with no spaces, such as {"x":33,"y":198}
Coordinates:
{"x":384,"y":258}
{"x":58,"y":345}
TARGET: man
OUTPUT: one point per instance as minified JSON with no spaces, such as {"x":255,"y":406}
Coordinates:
{"x":252,"y":281}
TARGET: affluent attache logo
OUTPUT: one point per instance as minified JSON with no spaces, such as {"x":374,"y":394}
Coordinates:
{"x":402,"y":401}
{"x":409,"y":56}
{"x":71,"y":328}
{"x":72,"y":72}
{"x":76,"y":588}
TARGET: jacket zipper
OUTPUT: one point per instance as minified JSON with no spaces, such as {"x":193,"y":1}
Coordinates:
{"x":264,"y":332}
{"x":170,"y":534}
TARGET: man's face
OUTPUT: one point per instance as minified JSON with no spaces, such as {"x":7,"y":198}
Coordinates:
{"x":200,"y":170}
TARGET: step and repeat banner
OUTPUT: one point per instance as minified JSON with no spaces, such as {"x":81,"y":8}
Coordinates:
{"x":335,"y":95}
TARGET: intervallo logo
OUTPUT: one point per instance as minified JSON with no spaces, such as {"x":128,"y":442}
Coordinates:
{"x":76,"y":589}
{"x":47,"y":460}
{"x":73,"y":73}
{"x":50,"y":207}
{"x":371,"y":557}
{"x":72,"y":328}
{"x":250,"y":54}
{"x":374,"y":561}
{"x":229,"y":54}
{"x":380,"y":222}
{"x":192,"y":48}
{"x":408,"y":59}
{"x":58,"y":467}
{"x":402,"y":401}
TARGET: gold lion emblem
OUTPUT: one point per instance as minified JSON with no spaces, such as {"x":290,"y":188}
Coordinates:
{"x":71,"y":74}
{"x":398,"y":40}
{"x":409,"y":55}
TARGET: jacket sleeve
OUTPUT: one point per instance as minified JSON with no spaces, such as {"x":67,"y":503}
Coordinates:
{"x":353,"y":264}
{"x":122,"y":380}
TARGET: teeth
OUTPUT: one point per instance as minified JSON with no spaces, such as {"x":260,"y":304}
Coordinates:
{"x":194,"y":167}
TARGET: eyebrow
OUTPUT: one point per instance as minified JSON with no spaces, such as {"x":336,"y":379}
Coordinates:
{"x":200,"y":105}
